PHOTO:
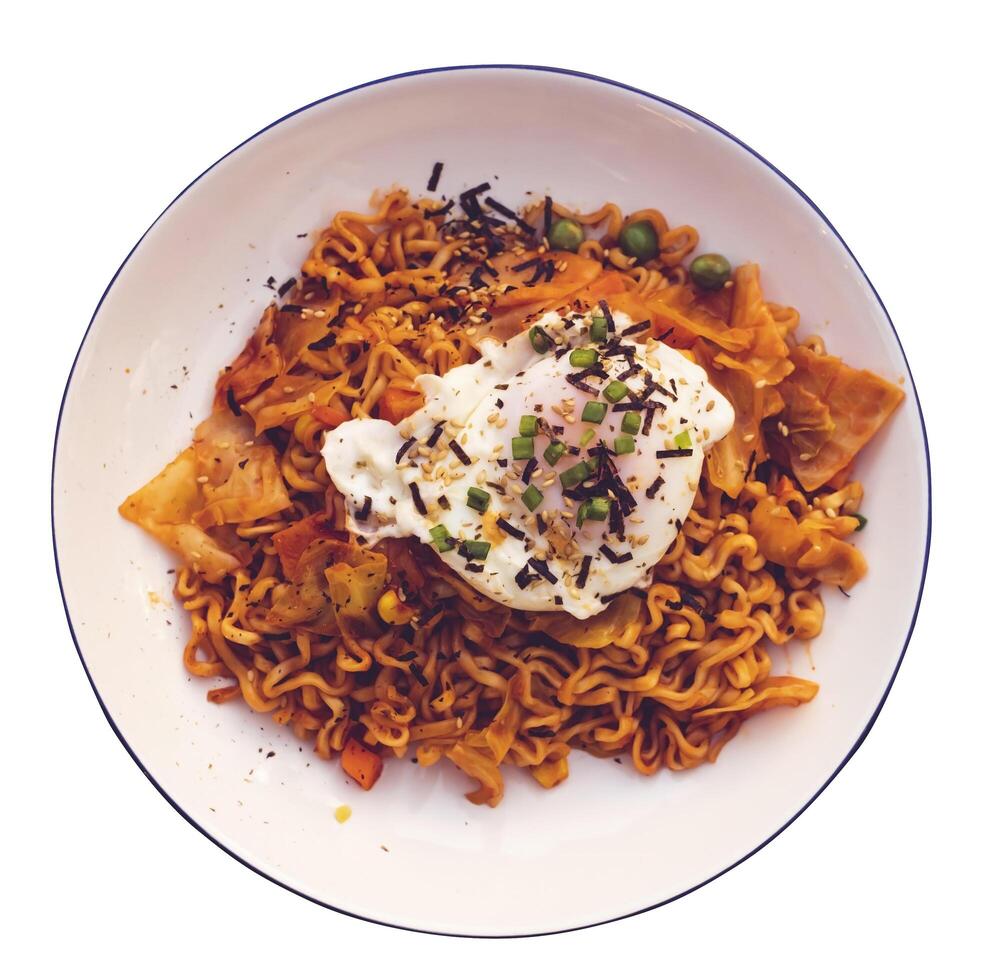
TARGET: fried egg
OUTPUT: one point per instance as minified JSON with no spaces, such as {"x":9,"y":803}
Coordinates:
{"x":552,"y":473}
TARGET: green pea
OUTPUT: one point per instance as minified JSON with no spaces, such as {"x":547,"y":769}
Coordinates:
{"x":565,"y":235}
{"x":639,"y":239}
{"x":710,"y":271}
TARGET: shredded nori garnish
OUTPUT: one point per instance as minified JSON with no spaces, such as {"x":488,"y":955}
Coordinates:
{"x":614,"y":558}
{"x":459,"y":452}
{"x":629,"y":371}
{"x":531,"y":465}
{"x":418,"y":675}
{"x":528,"y":264}
{"x":673,"y":453}
{"x":542,"y":568}
{"x":435,"y":176}
{"x":502,"y":209}
{"x":405,"y":448}
{"x":326,"y":342}
{"x":547,"y":214}
{"x":513,"y":532}
{"x":654,"y":487}
{"x":232,"y":403}
{"x":365,"y":510}
{"x":541,"y":731}
{"x":291,"y":308}
{"x":443,"y":502}
{"x":437,"y":212}
{"x":418,"y":501}
{"x":582,"y":572}
{"x":607,"y":314}
{"x":435,"y":435}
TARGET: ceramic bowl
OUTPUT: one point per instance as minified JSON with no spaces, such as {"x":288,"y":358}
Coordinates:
{"x":608,"y":842}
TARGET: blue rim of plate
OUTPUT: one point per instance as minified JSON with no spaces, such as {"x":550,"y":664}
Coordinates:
{"x":778,"y":173}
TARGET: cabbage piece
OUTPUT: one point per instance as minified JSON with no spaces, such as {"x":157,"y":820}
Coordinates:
{"x":482,"y":767}
{"x":596,"y":631}
{"x":292,"y":541}
{"x":766,"y":357}
{"x":243,"y":481}
{"x":858,"y":403}
{"x":258,"y":362}
{"x":509,"y":309}
{"x":294,"y":332}
{"x":356,"y":579}
{"x":165,"y":507}
{"x":812,"y":544}
{"x":306,"y":601}
{"x":677,"y":307}
{"x":290,"y":396}
{"x":729,"y":459}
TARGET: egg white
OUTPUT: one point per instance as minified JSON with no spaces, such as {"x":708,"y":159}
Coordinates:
{"x":479,"y":405}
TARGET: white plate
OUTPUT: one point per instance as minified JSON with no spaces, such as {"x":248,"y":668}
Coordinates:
{"x":415,"y":853}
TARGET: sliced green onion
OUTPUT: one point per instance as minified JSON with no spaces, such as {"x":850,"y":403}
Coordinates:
{"x":540,"y":340}
{"x":477,"y":549}
{"x":616,"y":391}
{"x":586,"y":437}
{"x":583,"y":357}
{"x":578,"y":473}
{"x":554,"y":451}
{"x":597,"y":508}
{"x":632,"y":423}
{"x":440,"y":537}
{"x":682,"y":440}
{"x":527,"y":425}
{"x":592,"y":464}
{"x":582,"y":513}
{"x":623,"y":445}
{"x":522,"y":447}
{"x":532,"y":497}
{"x":593,"y":412}
{"x":478,"y":499}
{"x":599,"y":329}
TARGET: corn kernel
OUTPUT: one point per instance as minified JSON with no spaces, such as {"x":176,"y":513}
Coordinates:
{"x":391,"y":610}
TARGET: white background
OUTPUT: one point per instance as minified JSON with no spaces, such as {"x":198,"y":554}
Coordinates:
{"x":873,"y":109}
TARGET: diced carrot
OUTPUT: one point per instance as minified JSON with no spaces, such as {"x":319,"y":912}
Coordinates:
{"x":397,"y":403}
{"x":362,"y":764}
{"x":330,"y":417}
